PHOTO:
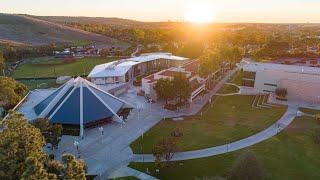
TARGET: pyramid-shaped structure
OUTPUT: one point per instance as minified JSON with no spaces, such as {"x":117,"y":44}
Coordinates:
{"x":79,"y":102}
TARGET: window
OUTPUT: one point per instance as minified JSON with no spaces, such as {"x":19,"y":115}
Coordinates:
{"x":268,"y":91}
{"x":268,"y":84}
{"x":248,"y":83}
{"x":249,"y":75}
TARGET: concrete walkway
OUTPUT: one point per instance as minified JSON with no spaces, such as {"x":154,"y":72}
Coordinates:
{"x":282,"y":123}
{"x":126,"y":171}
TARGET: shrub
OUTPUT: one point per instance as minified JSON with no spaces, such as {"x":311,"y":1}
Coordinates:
{"x":316,"y":136}
{"x":317,"y":118}
{"x":177,"y":133}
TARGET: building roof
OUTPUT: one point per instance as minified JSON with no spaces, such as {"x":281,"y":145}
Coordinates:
{"x":79,"y":101}
{"x":254,"y":67}
{"x":112,"y":69}
{"x":171,"y":73}
{"x":121,"y":67}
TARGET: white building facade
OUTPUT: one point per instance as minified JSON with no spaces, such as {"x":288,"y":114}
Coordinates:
{"x":190,"y":71}
{"x":302,"y":83}
{"x":125,"y":70}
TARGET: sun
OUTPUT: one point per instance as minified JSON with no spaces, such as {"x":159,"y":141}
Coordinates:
{"x":200,"y":13}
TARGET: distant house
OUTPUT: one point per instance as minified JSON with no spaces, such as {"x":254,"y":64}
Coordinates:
{"x":67,"y":53}
{"x":126,"y":70}
{"x":189,"y":69}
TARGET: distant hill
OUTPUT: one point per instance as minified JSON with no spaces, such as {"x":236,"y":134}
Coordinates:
{"x":116,"y":22}
{"x":24,"y":29}
{"x":92,"y":20}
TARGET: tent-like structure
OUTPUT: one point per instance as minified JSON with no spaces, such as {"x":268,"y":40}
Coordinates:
{"x":79,"y":102}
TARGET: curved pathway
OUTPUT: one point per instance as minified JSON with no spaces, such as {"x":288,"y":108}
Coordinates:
{"x":274,"y":129}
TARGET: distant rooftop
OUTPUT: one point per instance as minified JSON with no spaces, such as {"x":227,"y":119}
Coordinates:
{"x":254,"y":66}
{"x":121,"y":67}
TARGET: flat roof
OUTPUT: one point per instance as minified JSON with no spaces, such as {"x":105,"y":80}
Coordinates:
{"x":171,"y":73}
{"x":122,"y":66}
{"x":112,"y":69}
{"x":255,"y":66}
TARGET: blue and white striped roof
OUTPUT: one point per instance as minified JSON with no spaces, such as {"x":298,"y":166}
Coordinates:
{"x":79,"y":102}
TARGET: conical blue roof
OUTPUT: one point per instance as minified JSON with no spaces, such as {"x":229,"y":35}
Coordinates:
{"x":79,"y":101}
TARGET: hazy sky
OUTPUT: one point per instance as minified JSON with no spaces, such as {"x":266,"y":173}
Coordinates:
{"x":163,"y":10}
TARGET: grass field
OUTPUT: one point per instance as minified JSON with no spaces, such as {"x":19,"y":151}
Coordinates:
{"x":40,"y":84}
{"x":290,"y":155}
{"x":57,"y":67}
{"x":237,"y":79}
{"x":230,"y":118}
{"x":227,"y":89}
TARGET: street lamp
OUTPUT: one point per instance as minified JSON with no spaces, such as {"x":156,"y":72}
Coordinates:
{"x":76,"y":145}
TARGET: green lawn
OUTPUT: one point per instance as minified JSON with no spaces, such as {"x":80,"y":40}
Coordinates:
{"x":227,"y":89}
{"x":310,"y":111}
{"x":237,"y":79}
{"x":290,"y":155}
{"x":57,"y":67}
{"x":230,"y":118}
{"x":40,"y":84}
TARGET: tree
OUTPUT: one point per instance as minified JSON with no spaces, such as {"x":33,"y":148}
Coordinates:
{"x":164,"y":150}
{"x":182,"y":88}
{"x":247,"y":167}
{"x":52,"y":133}
{"x":1,"y":62}
{"x":104,"y":52}
{"x":19,"y":141}
{"x":22,"y":155}
{"x":11,"y":92}
{"x":35,"y":170}
{"x":73,"y":168}
{"x":164,"y":89}
{"x":317,"y":116}
{"x":316,"y":136}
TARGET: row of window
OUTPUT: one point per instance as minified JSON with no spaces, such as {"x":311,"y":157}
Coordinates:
{"x":249,"y":75}
{"x":268,"y":84}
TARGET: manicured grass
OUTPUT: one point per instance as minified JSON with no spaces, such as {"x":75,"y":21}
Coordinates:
{"x":310,"y":111}
{"x":237,"y":79}
{"x":229,"y":119}
{"x":58,"y":67}
{"x":40,"y":84}
{"x":290,"y":155}
{"x":228,"y":89}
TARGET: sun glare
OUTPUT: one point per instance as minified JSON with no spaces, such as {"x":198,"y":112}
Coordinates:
{"x":200,"y":13}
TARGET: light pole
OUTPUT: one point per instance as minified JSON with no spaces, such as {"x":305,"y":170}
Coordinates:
{"x":76,"y":145}
{"x":101,"y":133}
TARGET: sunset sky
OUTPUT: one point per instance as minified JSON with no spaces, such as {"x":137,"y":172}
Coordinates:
{"x":175,"y":10}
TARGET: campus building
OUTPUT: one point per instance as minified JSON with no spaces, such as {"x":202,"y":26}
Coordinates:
{"x":126,"y":70}
{"x":78,"y":104}
{"x":189,"y":70}
{"x":302,"y":83}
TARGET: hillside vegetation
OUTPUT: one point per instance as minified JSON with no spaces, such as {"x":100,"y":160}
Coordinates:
{"x":32,"y":31}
